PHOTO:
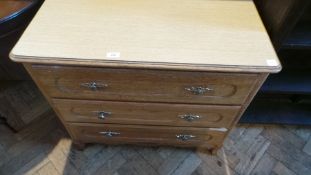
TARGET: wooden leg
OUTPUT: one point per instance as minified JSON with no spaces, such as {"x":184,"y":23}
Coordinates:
{"x":212,"y":151}
{"x":79,"y":145}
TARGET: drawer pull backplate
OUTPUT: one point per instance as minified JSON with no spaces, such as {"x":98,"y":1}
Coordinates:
{"x":198,"y":90}
{"x":184,"y":137}
{"x":190,"y":117}
{"x":102,"y":114}
{"x":94,"y":86}
{"x":109,"y":133}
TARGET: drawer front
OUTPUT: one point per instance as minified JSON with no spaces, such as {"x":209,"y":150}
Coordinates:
{"x":114,"y":134}
{"x":144,"y":85}
{"x":146,"y":113}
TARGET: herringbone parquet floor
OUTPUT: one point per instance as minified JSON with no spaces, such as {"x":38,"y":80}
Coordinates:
{"x":45,"y":148}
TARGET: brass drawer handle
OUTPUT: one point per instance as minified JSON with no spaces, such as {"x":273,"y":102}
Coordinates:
{"x":94,"y":86}
{"x":185,"y":137}
{"x":109,"y":133}
{"x":102,"y":114}
{"x":198,"y":90}
{"x":190,"y":117}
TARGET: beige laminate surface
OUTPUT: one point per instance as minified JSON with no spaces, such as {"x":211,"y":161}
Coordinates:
{"x":225,"y":35}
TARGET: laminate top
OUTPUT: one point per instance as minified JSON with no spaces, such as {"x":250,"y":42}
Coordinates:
{"x":207,"y":35}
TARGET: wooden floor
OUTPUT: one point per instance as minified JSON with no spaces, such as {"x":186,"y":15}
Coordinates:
{"x":45,"y":148}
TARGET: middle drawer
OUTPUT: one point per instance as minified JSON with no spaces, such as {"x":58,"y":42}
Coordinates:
{"x":146,"y":113}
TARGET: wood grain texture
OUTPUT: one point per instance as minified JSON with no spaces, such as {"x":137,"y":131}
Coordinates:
{"x":138,"y":85}
{"x":259,"y":81}
{"x":262,"y":78}
{"x":204,"y":35}
{"x":145,"y":113}
{"x":149,"y":135}
{"x":281,"y":17}
{"x":143,"y":85}
{"x":46,"y":95}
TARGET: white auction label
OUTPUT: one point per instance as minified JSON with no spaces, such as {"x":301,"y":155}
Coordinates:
{"x":113,"y":54}
{"x":272,"y":62}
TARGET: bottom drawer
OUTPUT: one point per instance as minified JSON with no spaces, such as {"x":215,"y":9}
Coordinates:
{"x":155,"y":135}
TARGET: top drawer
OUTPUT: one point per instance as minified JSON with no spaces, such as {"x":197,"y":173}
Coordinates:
{"x":144,"y":85}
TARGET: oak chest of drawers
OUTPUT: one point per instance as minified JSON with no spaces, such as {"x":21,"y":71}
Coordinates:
{"x":150,"y":72}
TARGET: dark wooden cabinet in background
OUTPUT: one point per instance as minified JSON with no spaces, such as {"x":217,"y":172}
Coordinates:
{"x":285,"y":98}
{"x":15,"y":15}
{"x":20,"y":101}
